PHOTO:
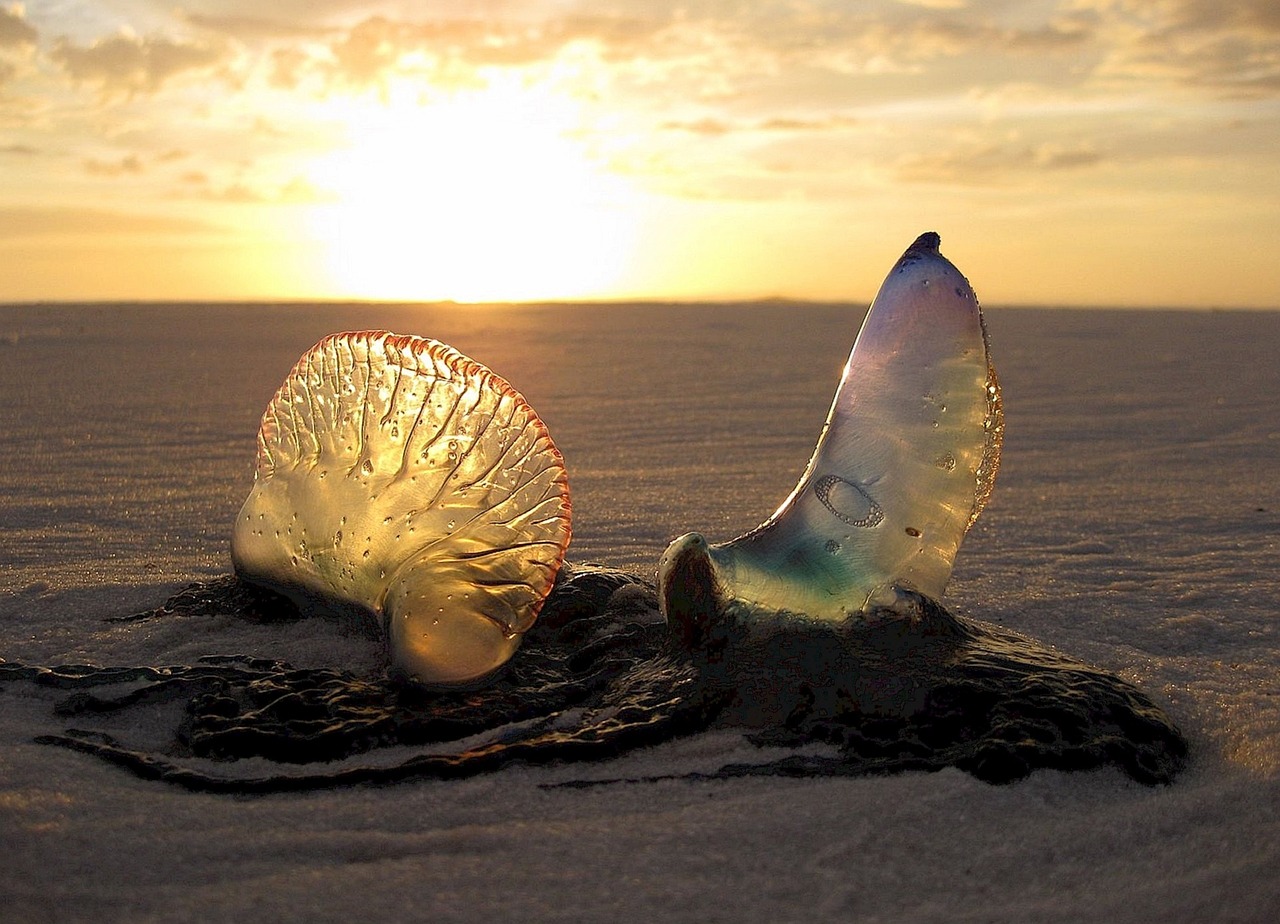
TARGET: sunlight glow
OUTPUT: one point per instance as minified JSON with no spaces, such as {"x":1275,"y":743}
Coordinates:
{"x":478,"y":195}
{"x":1069,"y":151}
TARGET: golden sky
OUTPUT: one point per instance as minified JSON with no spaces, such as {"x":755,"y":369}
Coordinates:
{"x":1098,"y":152}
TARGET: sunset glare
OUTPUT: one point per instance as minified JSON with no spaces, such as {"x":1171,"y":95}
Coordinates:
{"x":1094,"y":152}
{"x":476,"y":195}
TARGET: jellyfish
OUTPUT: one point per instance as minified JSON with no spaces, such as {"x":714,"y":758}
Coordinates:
{"x":903,"y":467}
{"x":400,"y":479}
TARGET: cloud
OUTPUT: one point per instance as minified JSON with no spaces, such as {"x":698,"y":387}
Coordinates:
{"x":699,"y":47}
{"x":805,"y":125}
{"x":300,"y":14}
{"x":928,"y":37}
{"x":696,"y":49}
{"x":237,"y":192}
{"x":711,"y":126}
{"x":1051,"y":156}
{"x":1213,"y":15}
{"x":256,"y":28}
{"x":995,"y":164}
{"x":664,"y":49}
{"x":287,"y":67}
{"x":129,"y":164}
{"x":17,"y":39}
{"x":297,"y":191}
{"x":15,"y":31}
{"x":17,"y":222}
{"x":707,"y":126}
{"x":371,"y":48}
{"x":130,"y":64}
{"x":1229,"y":49}
{"x":375,"y":48}
{"x":301,"y":191}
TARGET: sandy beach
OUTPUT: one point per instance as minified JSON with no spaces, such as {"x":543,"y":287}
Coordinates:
{"x":1134,"y":525}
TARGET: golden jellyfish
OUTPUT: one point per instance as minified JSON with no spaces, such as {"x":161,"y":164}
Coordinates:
{"x":398,"y":477}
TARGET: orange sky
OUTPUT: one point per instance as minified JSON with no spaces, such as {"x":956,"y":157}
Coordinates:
{"x":1109,"y":152}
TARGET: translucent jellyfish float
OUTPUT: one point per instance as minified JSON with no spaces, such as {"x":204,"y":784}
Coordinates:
{"x":904,"y":465}
{"x":404,"y":485}
{"x":398,"y":477}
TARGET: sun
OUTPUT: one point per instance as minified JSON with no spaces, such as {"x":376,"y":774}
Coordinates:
{"x":477,"y":195}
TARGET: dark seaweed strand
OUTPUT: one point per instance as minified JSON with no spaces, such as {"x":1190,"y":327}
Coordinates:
{"x":991,"y":703}
{"x":673,"y":709}
{"x":240,"y":707}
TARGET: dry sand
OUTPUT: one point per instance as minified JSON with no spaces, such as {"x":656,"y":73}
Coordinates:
{"x":1134,"y":525}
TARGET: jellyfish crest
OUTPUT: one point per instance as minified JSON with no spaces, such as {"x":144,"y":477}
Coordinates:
{"x":397,"y":476}
{"x":903,"y":467}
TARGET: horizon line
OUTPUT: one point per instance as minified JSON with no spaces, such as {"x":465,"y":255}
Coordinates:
{"x":725,"y":302}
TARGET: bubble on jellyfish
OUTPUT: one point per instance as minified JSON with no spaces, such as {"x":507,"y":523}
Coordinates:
{"x":398,"y":477}
{"x":905,"y":462}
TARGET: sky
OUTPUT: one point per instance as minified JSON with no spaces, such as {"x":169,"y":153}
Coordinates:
{"x":1079,"y":152}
